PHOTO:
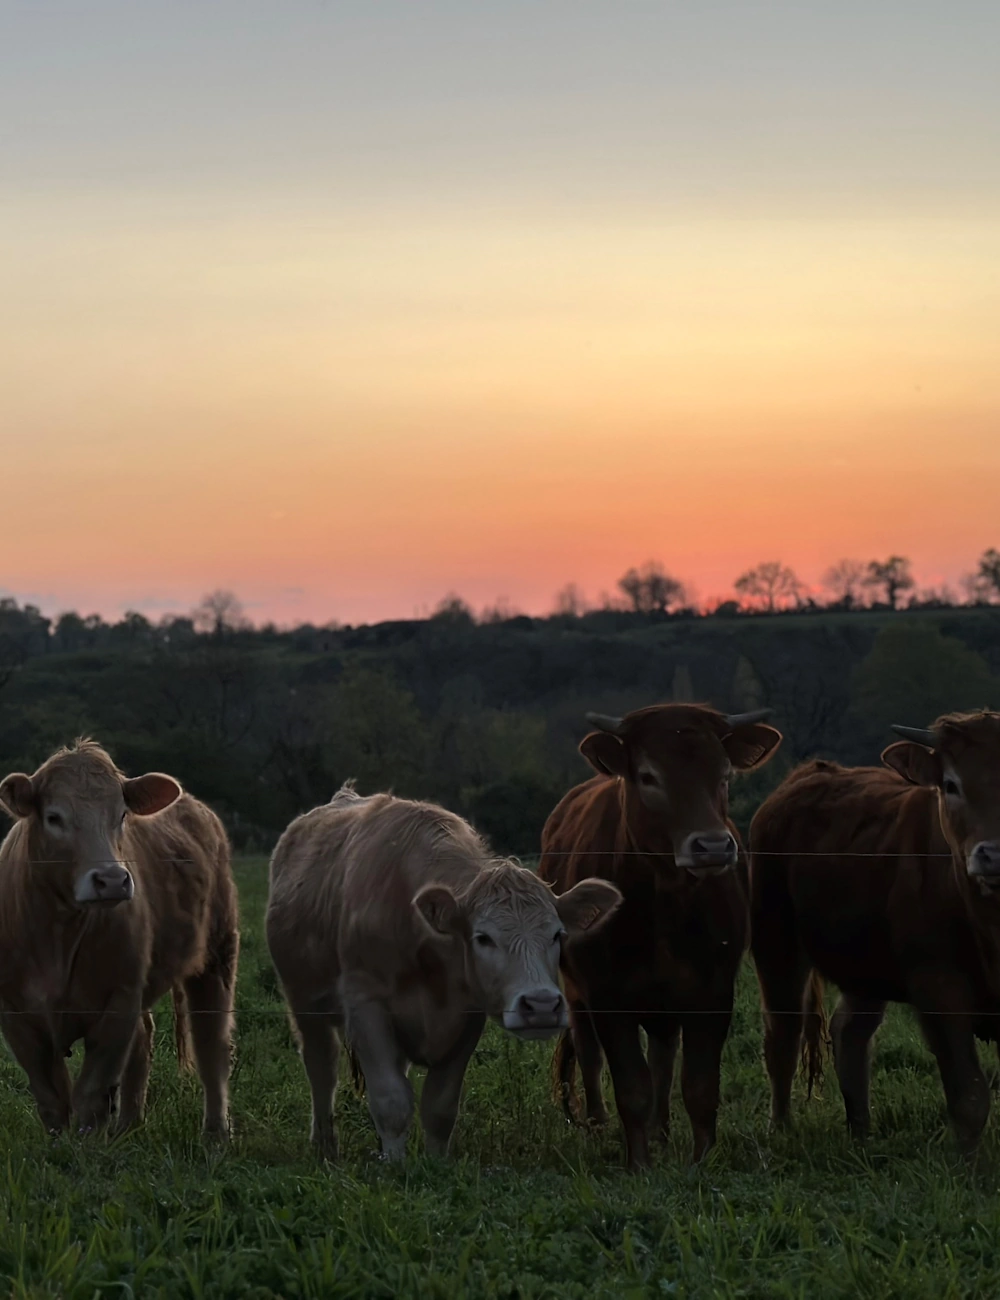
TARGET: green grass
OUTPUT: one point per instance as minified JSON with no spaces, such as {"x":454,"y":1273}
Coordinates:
{"x":527,"y":1207}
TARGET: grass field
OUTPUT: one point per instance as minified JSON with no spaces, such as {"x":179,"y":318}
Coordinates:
{"x":527,"y":1207}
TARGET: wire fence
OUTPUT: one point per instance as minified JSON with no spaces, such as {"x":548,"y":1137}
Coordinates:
{"x":244,"y":1013}
{"x":550,"y":853}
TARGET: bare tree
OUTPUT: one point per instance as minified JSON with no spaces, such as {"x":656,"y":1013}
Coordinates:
{"x":845,"y":582}
{"x":501,"y":611}
{"x":892,"y":577}
{"x":651,"y":589}
{"x":772,"y":584}
{"x":984,"y":584}
{"x":570,"y":601}
{"x":219,"y":612}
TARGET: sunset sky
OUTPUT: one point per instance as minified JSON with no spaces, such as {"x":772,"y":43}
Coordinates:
{"x":345,"y":307}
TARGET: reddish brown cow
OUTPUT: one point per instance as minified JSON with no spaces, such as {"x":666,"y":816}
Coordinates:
{"x":112,"y":892}
{"x":886,"y":882}
{"x":655,"y":822}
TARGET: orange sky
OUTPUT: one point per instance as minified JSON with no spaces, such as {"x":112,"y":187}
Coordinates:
{"x":345,"y":399}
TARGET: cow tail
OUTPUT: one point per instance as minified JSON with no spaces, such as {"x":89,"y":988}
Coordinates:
{"x":564,"y":1076}
{"x":816,"y":1035}
{"x":182,"y":1029}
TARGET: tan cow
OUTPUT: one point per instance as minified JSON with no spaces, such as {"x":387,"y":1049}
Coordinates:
{"x":392,"y":925}
{"x":113,"y":892}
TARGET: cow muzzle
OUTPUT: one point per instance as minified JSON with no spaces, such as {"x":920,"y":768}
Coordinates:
{"x":105,"y":886}
{"x":537,"y":1014}
{"x":983,"y":865}
{"x":708,"y":853}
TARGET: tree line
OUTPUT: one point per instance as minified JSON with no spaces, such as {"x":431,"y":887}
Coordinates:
{"x":483,"y":715}
{"x":772,"y":586}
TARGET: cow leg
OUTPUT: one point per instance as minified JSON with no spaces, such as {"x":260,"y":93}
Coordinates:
{"x":661,"y":1053}
{"x":782,"y":988}
{"x":854,"y":1022}
{"x":390,"y":1095}
{"x":442,"y":1090}
{"x":107,"y":1044}
{"x":950,"y":1037}
{"x":591,"y":1059}
{"x":136,"y":1077}
{"x":48,"y":1078}
{"x":210,"y":1006}
{"x":701,"y":1064}
{"x":619,"y":1036}
{"x":321,"y":1057}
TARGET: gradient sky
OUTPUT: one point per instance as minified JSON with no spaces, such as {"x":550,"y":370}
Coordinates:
{"x":348,"y":306}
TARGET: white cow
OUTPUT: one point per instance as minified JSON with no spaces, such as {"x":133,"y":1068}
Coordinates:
{"x":392,"y":925}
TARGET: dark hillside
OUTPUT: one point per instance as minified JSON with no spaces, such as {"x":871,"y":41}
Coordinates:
{"x":484,"y":717}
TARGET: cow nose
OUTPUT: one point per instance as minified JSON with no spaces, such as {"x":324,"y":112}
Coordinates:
{"x":540,"y":1002}
{"x":111,"y":883}
{"x":713,"y":849}
{"x":984,"y":859}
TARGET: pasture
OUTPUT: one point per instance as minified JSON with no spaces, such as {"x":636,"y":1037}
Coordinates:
{"x":526,"y":1208}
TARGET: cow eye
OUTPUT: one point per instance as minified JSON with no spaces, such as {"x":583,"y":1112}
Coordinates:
{"x":484,"y":940}
{"x":950,"y":786}
{"x":559,"y":934}
{"x":647,"y":778}
{"x":54,"y":820}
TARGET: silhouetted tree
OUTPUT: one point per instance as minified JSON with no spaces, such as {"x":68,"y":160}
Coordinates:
{"x":772,"y":583}
{"x":453,"y":609}
{"x":219,"y":612}
{"x":845,"y":582}
{"x":892,"y":577}
{"x":984,"y":584}
{"x":570,"y":601}
{"x":502,"y":611}
{"x":133,"y":629}
{"x":651,"y":590}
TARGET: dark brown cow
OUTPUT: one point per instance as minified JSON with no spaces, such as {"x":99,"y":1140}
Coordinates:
{"x":655,"y":822}
{"x":886,"y":882}
{"x":112,"y":893}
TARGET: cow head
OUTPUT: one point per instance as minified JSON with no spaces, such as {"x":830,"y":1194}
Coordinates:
{"x":675,"y":761}
{"x":511,"y":928}
{"x":76,"y":806}
{"x":960,"y":757}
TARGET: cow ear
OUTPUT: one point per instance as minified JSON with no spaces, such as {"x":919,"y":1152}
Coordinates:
{"x":17,"y":794}
{"x":605,"y":753}
{"x":587,"y":906}
{"x":145,"y":795}
{"x":439,"y":910}
{"x":751,"y":745}
{"x":914,"y":763}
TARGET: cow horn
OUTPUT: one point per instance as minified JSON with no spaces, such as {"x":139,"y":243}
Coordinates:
{"x":918,"y":734}
{"x":605,"y":722}
{"x":744,"y":719}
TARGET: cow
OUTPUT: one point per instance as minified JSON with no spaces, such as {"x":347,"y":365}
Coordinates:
{"x":885,"y":881}
{"x":113,"y":892}
{"x":654,"y":821}
{"x":392,"y":925}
